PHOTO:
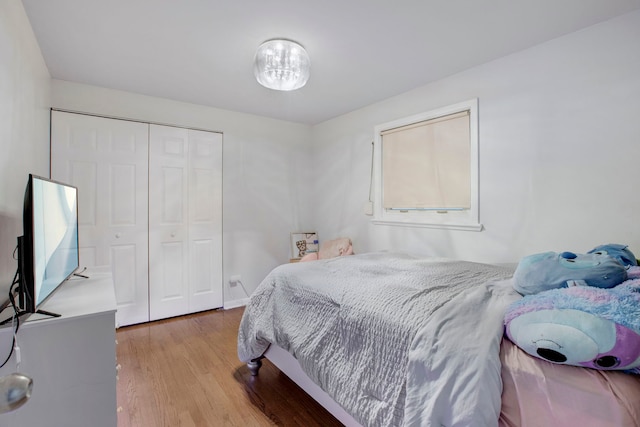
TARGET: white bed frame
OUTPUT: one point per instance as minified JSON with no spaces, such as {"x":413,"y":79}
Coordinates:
{"x":288,"y":364}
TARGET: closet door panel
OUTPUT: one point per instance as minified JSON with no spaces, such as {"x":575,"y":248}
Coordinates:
{"x":205,"y":220}
{"x":168,"y":216}
{"x":91,"y":242}
{"x":107,"y":159}
{"x":123,"y":257}
{"x":171,"y":271}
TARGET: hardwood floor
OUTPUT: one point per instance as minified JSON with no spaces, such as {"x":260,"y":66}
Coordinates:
{"x":185,"y":372}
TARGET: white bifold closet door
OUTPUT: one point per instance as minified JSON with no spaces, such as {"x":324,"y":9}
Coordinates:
{"x":107,"y":160}
{"x":185,"y":222}
{"x":150,"y":207}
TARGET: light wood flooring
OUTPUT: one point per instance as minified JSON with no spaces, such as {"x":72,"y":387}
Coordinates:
{"x":185,"y":372}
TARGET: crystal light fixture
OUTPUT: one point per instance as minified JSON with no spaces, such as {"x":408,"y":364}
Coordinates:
{"x":281,"y":65}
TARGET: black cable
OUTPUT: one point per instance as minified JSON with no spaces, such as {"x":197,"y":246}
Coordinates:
{"x":15,"y":316}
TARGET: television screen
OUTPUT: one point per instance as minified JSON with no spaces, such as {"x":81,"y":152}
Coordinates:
{"x":50,"y":238}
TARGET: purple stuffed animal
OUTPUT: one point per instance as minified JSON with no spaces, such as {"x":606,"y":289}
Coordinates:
{"x":582,"y":325}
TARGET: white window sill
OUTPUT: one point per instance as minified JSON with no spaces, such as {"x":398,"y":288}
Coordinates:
{"x":445,"y":226}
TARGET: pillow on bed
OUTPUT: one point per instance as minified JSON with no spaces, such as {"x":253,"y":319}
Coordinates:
{"x":331,"y":249}
{"x":582,"y":326}
{"x":334,"y":248}
{"x":551,"y":270}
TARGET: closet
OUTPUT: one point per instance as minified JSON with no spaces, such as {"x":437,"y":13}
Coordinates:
{"x":150,"y":207}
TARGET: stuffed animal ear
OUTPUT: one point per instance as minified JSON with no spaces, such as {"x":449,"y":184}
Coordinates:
{"x":581,"y":326}
{"x":621,"y":253}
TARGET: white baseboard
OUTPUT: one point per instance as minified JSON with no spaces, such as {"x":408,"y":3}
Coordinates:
{"x":235,"y":303}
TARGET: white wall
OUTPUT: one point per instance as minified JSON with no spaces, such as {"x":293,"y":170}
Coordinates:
{"x":265,"y":176}
{"x":559,"y":152}
{"x":24,"y":126}
{"x":559,"y":139}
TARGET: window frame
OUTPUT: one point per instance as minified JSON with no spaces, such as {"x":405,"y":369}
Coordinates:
{"x":455,"y":219}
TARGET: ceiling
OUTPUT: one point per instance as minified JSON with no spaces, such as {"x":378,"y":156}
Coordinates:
{"x":362,"y":51}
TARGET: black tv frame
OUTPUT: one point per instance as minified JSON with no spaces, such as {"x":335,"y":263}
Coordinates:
{"x":26,"y":278}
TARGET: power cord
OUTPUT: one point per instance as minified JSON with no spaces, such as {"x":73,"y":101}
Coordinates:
{"x":243,"y":288}
{"x":15,"y":321}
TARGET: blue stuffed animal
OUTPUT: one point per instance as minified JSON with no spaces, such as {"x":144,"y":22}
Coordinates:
{"x":552,"y":270}
{"x":579,"y":309}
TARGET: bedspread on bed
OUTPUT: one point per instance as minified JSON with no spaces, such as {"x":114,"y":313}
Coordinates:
{"x":540,"y":393}
{"x":374,"y":331}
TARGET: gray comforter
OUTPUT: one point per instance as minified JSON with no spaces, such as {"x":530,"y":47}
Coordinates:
{"x":394,"y":339}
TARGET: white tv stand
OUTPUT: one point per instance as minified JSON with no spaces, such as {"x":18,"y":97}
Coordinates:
{"x":70,"y":358}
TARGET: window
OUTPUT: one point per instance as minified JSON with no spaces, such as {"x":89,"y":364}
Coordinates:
{"x":427,"y":169}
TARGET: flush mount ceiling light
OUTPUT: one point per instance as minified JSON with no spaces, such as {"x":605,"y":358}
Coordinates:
{"x":281,"y":65}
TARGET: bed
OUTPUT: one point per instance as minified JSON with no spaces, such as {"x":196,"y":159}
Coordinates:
{"x":399,"y":340}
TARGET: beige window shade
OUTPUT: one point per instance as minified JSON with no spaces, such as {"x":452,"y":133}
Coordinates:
{"x":427,"y":164}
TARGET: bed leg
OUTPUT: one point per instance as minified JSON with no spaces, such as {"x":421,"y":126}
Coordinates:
{"x":254,"y":366}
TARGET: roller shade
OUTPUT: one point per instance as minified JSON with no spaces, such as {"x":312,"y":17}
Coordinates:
{"x":426,"y":165}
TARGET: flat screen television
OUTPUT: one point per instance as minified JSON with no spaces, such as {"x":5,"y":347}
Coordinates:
{"x":48,"y":250}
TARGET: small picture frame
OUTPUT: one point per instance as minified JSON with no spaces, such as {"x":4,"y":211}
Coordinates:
{"x":303,"y":243}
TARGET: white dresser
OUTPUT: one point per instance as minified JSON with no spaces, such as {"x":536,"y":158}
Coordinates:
{"x":71,"y":358}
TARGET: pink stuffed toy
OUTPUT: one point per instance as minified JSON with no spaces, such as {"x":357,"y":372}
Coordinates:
{"x":331,"y":249}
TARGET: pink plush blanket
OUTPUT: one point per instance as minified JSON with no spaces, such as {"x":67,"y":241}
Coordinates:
{"x":539,"y":393}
